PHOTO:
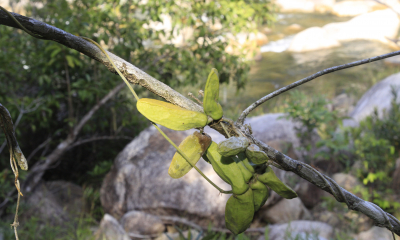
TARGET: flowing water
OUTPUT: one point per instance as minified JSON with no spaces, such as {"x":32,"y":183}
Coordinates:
{"x":278,"y":68}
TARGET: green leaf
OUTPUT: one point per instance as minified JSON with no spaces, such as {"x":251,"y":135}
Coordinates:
{"x":70,"y":61}
{"x":55,"y":52}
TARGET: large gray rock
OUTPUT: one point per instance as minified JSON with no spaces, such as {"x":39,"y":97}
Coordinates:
{"x":309,"y":194}
{"x":141,"y":223}
{"x":68,"y":195}
{"x":346,"y":181}
{"x":379,"y":97}
{"x":376,"y":26}
{"x":54,"y":202}
{"x":354,"y":8}
{"x":305,"y":5}
{"x":311,"y":39}
{"x":286,"y":210}
{"x":110,"y":229}
{"x":376,"y":233}
{"x":139,"y":179}
{"x":275,"y":130}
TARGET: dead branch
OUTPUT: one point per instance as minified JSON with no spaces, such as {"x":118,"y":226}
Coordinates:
{"x":37,"y":171}
{"x":131,"y":72}
{"x":98,"y":138}
{"x":42,"y":145}
{"x":136,"y":76}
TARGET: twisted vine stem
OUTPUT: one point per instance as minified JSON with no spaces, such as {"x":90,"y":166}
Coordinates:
{"x":305,"y":171}
{"x":137,"y":76}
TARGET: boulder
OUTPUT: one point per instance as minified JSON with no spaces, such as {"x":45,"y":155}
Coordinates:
{"x":331,"y":218}
{"x":68,"y":195}
{"x":379,"y":96}
{"x":376,"y":26}
{"x":375,"y":233}
{"x":139,"y":180}
{"x":54,"y":202}
{"x":343,"y":104}
{"x":355,"y":8}
{"x":141,"y":223}
{"x":295,"y":5}
{"x":276,"y":130}
{"x":313,"y":38}
{"x":293,"y":28}
{"x":300,"y":229}
{"x":309,"y":194}
{"x":44,"y":205}
{"x":346,"y":181}
{"x":324,"y":6}
{"x":286,"y":210}
{"x":308,"y":6}
{"x":110,"y":229}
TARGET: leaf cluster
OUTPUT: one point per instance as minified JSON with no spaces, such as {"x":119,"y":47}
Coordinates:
{"x":62,"y":85}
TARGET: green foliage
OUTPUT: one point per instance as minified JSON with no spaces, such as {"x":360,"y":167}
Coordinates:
{"x":59,"y":85}
{"x":34,"y":228}
{"x":91,"y":195}
{"x":374,"y":142}
{"x":310,"y":112}
{"x":313,"y":115}
{"x":66,"y":84}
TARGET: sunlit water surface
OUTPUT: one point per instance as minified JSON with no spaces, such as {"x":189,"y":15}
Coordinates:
{"x":279,"y":68}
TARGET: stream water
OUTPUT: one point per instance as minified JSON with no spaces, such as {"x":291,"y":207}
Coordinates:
{"x":278,"y":68}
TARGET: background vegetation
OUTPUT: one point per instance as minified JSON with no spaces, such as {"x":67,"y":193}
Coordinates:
{"x":48,"y":88}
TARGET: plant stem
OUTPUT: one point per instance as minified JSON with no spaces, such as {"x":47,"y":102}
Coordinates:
{"x":155,"y":125}
{"x":186,"y":158}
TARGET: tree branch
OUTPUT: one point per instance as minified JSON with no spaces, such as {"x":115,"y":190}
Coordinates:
{"x":31,"y":107}
{"x":37,"y":171}
{"x":303,"y":170}
{"x":136,"y":76}
{"x":131,"y":72}
{"x":42,"y":145}
{"x":309,"y":78}
{"x":83,"y":141}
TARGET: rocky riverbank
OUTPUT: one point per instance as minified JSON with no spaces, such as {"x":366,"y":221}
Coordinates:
{"x":138,"y":187}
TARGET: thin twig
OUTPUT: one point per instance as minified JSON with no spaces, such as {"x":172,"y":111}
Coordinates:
{"x":83,"y":141}
{"x":380,"y":217}
{"x":38,"y":169}
{"x":135,"y":75}
{"x":22,"y":111}
{"x":42,"y":145}
{"x":309,"y":78}
{"x":195,"y":98}
{"x":131,"y":72}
